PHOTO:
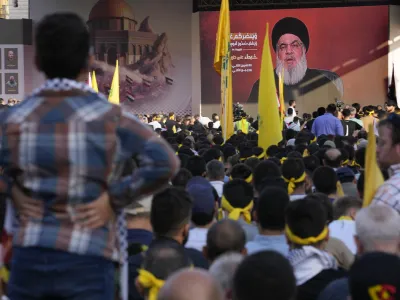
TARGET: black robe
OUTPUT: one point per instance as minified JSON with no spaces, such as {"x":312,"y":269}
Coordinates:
{"x":317,"y":88}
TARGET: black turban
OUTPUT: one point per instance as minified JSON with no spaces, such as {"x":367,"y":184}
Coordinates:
{"x":293,"y":26}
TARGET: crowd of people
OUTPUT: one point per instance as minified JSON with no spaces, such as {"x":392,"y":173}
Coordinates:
{"x":102,"y":204}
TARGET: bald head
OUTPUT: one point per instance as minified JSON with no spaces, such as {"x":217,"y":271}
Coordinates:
{"x":223,"y":237}
{"x":333,"y":158}
{"x":191,"y":284}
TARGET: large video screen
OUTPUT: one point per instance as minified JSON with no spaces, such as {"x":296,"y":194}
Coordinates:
{"x":324,"y":54}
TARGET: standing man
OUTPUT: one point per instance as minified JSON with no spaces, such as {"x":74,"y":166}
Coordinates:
{"x":328,"y":123}
{"x":291,"y":42}
{"x":388,"y":156}
{"x":66,"y":146}
{"x":292,"y":105}
{"x":349,"y":126}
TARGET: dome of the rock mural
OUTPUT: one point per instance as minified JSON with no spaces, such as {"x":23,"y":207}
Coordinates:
{"x":111,"y":9}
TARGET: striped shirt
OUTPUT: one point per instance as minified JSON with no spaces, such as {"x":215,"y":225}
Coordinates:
{"x":68,"y":147}
{"x":389,"y":192}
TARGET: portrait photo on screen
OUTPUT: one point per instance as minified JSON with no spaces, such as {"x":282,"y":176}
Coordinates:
{"x":11,"y":83}
{"x":322,"y":60}
{"x":11,"y":58}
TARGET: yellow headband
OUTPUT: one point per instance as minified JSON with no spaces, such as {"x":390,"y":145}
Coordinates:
{"x":353,"y":163}
{"x":339,"y":189}
{"x":235,"y":213}
{"x":314,"y":140}
{"x":292,"y":182}
{"x":248,"y":179}
{"x":261,"y":156}
{"x":306,"y":241}
{"x":306,"y":153}
{"x":345,"y":163}
{"x":179,"y":146}
{"x":149,"y":281}
{"x":346,"y":218}
{"x":371,"y":113}
{"x":283,"y":159}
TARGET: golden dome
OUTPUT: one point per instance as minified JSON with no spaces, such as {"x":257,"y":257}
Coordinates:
{"x":104,"y":9}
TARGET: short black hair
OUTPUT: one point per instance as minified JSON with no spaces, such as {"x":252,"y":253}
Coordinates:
{"x":291,"y":102}
{"x":290,"y":111}
{"x":342,"y":205}
{"x":346,"y":113}
{"x":306,"y":218}
{"x":196,"y":165}
{"x":164,"y":258}
{"x":265,"y":170}
{"x":392,"y":122}
{"x":311,"y":163}
{"x":62,"y":44}
{"x":325,"y":180}
{"x":223,"y":237}
{"x":315,"y":114}
{"x":331,"y":108}
{"x":238,"y":193}
{"x":182,"y":178}
{"x":212,"y":154}
{"x":241,"y":171}
{"x":264,"y":273}
{"x":272,"y":150}
{"x":321,"y":111}
{"x":170,"y":210}
{"x":360,"y":157}
{"x":252,"y":162}
{"x":293,"y":168}
{"x":271,"y":206}
{"x":326,"y":203}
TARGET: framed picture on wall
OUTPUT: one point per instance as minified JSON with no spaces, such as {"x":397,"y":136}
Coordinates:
{"x":11,"y":58}
{"x":11,"y":83}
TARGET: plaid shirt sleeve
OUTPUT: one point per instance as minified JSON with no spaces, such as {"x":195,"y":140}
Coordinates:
{"x":389,"y":194}
{"x":5,"y":180}
{"x":158,"y":162}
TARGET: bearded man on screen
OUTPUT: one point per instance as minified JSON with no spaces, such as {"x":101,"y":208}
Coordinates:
{"x":309,"y":87}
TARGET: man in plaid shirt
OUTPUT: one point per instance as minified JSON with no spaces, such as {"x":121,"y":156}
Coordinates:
{"x":64,"y":147}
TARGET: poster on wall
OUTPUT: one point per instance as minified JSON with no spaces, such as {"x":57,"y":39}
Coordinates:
{"x":11,"y":83}
{"x":322,"y":60}
{"x":11,"y":58}
{"x":148,"y":40}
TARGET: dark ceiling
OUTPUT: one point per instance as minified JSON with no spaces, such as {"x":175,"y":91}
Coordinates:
{"x":210,"y":5}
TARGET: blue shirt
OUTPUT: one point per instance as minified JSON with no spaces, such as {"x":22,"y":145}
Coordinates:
{"x":336,"y":290}
{"x":327,"y":124}
{"x":268,"y":242}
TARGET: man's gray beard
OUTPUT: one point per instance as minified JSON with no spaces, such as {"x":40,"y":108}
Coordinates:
{"x":294,"y":75}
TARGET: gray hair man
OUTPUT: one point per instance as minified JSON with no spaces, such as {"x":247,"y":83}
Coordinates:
{"x":215,"y":174}
{"x":377,"y":230}
{"x":223,"y":270}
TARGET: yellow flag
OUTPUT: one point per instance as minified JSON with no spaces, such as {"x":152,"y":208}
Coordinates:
{"x":223,"y":65}
{"x":281,"y":99}
{"x":269,"y":123}
{"x":373,"y":176}
{"x":114,"y":92}
{"x":94,"y":82}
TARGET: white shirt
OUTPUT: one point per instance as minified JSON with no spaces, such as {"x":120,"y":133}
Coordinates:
{"x":217,"y":124}
{"x":218,"y":186}
{"x":289,"y":119}
{"x":294,"y":111}
{"x":344,"y":230}
{"x":296,"y":197}
{"x":155,"y":125}
{"x":197,"y":238}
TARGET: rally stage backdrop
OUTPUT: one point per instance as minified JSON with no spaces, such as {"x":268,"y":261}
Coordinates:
{"x":150,"y":39}
{"x":350,"y":42}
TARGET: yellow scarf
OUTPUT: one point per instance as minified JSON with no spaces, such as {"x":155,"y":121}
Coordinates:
{"x":235,"y":213}
{"x":149,"y":281}
{"x":346,"y":218}
{"x":305,"y":241}
{"x":283,"y":159}
{"x":292,"y":182}
{"x":345,"y":163}
{"x":339,"y":189}
{"x":248,"y":179}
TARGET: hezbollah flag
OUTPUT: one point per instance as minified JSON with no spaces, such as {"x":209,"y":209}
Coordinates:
{"x":269,"y":123}
{"x":114,"y":92}
{"x":94,"y":82}
{"x":373,"y":176}
{"x":223,"y":65}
